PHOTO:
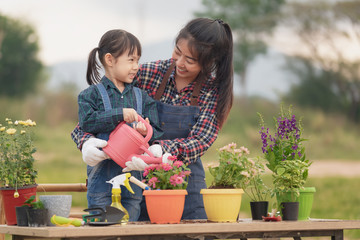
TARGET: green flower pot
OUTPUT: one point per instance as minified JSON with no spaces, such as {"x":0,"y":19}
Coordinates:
{"x":305,"y":200}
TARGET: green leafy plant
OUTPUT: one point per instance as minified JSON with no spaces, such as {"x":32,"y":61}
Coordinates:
{"x":172,"y":175}
{"x":16,"y":154}
{"x":231,"y":171}
{"x":253,"y":185}
{"x":34,"y":204}
{"x":290,"y":176}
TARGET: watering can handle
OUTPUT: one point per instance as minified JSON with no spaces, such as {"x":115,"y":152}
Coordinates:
{"x":148,"y":128}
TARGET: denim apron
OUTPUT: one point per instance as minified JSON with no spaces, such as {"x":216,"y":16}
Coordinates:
{"x":176,"y":122}
{"x":98,"y":191}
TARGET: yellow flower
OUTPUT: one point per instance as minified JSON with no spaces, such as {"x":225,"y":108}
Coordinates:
{"x":10,"y":122}
{"x":29,"y":123}
{"x":11,"y":131}
{"x":23,"y":132}
{"x":7,"y":119}
{"x":16,"y":194}
{"x":2,"y":129}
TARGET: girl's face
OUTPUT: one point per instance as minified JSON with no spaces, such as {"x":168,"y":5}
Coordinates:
{"x":187,"y":66}
{"x":123,"y":69}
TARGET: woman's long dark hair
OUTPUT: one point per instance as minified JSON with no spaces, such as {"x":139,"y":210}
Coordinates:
{"x":115,"y":42}
{"x":212,"y":43}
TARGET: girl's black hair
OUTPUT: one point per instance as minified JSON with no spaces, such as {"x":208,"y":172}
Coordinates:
{"x":211,"y":42}
{"x":115,"y":42}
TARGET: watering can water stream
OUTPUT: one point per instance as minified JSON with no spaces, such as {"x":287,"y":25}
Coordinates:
{"x":125,"y":142}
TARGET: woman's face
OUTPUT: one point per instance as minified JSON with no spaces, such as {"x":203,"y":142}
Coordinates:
{"x":187,"y":66}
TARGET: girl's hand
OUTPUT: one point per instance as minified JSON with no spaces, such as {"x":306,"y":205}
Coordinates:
{"x":130,"y":115}
{"x":140,"y":127}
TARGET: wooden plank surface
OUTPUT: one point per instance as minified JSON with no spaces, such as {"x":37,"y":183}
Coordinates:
{"x":196,"y":228}
{"x":61,"y":187}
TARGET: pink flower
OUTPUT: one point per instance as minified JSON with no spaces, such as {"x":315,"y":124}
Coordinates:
{"x":166,"y":166}
{"x":152,"y":182}
{"x":239,"y":152}
{"x":176,"y":179}
{"x":168,"y":175}
{"x":244,"y":150}
{"x":178,"y":163}
{"x":185,"y":173}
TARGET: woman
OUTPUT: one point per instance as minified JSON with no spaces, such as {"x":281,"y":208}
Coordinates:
{"x":194,"y":93}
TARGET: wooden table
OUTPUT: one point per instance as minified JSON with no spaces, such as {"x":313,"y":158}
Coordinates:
{"x":243,"y":229}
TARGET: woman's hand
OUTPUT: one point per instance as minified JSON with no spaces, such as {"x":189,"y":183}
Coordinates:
{"x":130,"y":115}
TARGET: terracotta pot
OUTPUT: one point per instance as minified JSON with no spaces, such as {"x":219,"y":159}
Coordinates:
{"x":9,"y":202}
{"x":165,"y":206}
{"x":222,"y":205}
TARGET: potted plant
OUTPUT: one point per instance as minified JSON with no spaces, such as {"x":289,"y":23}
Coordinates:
{"x":222,"y":200}
{"x":37,"y":214}
{"x":288,"y":179}
{"x":165,"y":204}
{"x":17,"y":173}
{"x":285,"y":144}
{"x":255,"y":188}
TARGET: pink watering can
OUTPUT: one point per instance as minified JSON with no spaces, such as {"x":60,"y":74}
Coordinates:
{"x":125,"y":142}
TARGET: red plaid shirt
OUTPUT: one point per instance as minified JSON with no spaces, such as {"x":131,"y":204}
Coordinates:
{"x":202,"y":134}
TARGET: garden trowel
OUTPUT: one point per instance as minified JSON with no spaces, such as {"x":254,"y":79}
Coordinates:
{"x":110,"y":215}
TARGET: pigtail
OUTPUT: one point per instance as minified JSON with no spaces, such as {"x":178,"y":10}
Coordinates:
{"x":211,"y":42}
{"x":92,"y":73}
{"x":225,"y":78}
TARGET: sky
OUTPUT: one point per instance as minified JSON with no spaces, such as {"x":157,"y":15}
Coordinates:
{"x":69,"y":29}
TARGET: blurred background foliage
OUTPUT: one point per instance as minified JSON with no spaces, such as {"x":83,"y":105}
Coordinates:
{"x":325,"y":89}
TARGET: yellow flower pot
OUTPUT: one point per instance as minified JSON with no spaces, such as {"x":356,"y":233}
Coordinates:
{"x":222,"y":205}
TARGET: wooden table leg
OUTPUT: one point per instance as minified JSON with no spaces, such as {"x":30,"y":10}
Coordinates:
{"x":338,"y":235}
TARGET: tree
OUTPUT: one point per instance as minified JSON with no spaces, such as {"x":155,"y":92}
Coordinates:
{"x":20,"y":69}
{"x":251,"y":22}
{"x":325,"y":29}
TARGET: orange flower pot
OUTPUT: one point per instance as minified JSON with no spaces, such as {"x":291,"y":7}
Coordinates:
{"x":165,"y":206}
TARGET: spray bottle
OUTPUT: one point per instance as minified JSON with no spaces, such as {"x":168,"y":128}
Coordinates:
{"x":122,"y":179}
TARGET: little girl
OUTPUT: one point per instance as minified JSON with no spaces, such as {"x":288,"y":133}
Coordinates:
{"x":109,"y":101}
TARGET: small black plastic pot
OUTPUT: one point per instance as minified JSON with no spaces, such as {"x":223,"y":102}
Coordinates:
{"x":22,"y":215}
{"x":37,"y":217}
{"x":290,"y":211}
{"x":259,"y":209}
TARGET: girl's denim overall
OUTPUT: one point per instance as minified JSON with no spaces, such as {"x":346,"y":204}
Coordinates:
{"x":98,"y":191}
{"x":176,"y":122}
